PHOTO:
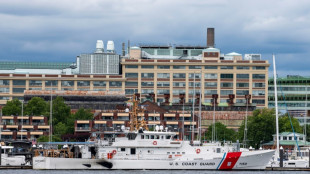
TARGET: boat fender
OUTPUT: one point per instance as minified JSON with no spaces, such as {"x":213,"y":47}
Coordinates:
{"x":155,"y":143}
{"x":197,"y":151}
{"x":114,"y":152}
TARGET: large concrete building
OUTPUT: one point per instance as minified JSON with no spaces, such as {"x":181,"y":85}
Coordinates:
{"x":293,"y":96}
{"x":163,"y":74}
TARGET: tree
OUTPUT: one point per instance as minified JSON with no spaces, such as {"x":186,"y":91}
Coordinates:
{"x":13,"y":107}
{"x":81,"y":114}
{"x":285,"y":124}
{"x":36,"y":106}
{"x":222,"y":133}
{"x":261,"y":127}
{"x":45,"y":138}
{"x":61,"y":111}
{"x":60,"y":129}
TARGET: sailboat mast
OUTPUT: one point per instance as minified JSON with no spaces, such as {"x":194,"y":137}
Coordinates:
{"x":276,"y":102}
{"x":193,"y":115}
{"x":200,"y":98}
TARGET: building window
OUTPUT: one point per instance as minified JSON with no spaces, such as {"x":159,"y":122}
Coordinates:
{"x":179,"y":75}
{"x":131,"y":91}
{"x":259,"y":67}
{"x":163,"y":91}
{"x":83,"y":83}
{"x":242,"y":85}
{"x":147,"y":91}
{"x":258,"y":93}
{"x":258,"y":76}
{"x":210,"y":84}
{"x":19,"y":82}
{"x":258,"y":101}
{"x":210,"y":92}
{"x":211,"y":76}
{"x":243,"y":67}
{"x":210,"y":67}
{"x":227,"y":67}
{"x":227,"y":85}
{"x":4,"y":82}
{"x":147,"y":66}
{"x":226,"y":92}
{"x":18,"y":90}
{"x":242,"y":76}
{"x":67,"y":83}
{"x":178,"y":91}
{"x":115,"y":84}
{"x":240,"y":100}
{"x":178,"y":84}
{"x":131,"y":75}
{"x":51,"y":83}
{"x":227,"y":76}
{"x":258,"y":85}
{"x":35,"y":82}
{"x":147,"y":75}
{"x":163,"y":75}
{"x":192,"y":84}
{"x":131,"y":66}
{"x":131,"y":84}
{"x":147,"y":84}
{"x":163,"y":84}
{"x":242,"y":92}
{"x":179,"y":67}
{"x":194,"y":67}
{"x":99,"y":83}
{"x":163,"y":67}
{"x":194,"y":75}
{"x":4,"y":90}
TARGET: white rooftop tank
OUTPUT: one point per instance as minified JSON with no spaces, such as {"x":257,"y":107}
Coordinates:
{"x":110,"y":46}
{"x":99,"y":46}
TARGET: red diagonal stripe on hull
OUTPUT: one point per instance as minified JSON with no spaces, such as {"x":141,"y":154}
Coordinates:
{"x":230,"y":160}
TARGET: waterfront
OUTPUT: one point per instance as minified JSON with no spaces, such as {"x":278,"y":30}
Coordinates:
{"x":139,"y":172}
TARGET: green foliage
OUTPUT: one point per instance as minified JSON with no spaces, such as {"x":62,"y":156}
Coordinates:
{"x":44,"y":138}
{"x":60,"y":129}
{"x":36,"y":106}
{"x":13,"y":107}
{"x":285,"y":124}
{"x":81,"y":114}
{"x":61,"y":111}
{"x":261,"y":127}
{"x":222,"y":133}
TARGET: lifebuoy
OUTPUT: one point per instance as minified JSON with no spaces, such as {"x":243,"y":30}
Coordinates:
{"x":155,"y":143}
{"x":114,"y":152}
{"x":197,"y":151}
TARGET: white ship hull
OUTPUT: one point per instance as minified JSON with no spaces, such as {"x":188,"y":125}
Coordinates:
{"x":256,"y":160}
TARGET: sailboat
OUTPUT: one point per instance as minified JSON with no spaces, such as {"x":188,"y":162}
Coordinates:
{"x":275,"y":161}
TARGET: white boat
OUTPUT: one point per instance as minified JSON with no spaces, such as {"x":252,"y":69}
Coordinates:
{"x":157,"y":150}
{"x":292,"y":161}
{"x":7,"y":160}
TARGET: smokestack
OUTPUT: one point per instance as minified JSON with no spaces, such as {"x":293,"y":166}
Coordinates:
{"x":123,"y":49}
{"x":210,"y":37}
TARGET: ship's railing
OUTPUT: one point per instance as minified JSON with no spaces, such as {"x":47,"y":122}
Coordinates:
{"x":56,"y":153}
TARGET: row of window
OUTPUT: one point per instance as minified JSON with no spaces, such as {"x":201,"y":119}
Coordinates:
{"x":195,"y":75}
{"x":195,"y":67}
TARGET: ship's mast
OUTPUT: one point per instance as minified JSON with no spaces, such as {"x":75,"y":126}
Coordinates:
{"x":136,"y":123}
{"x":276,"y":103}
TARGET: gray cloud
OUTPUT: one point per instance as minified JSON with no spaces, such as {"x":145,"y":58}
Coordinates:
{"x":58,"y":30}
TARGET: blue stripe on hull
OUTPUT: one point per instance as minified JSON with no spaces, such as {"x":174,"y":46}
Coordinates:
{"x":221,"y":161}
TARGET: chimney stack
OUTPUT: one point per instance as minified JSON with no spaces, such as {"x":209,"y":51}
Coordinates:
{"x":210,"y":37}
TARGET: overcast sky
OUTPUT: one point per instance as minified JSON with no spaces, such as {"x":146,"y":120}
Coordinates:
{"x":59,"y":30}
